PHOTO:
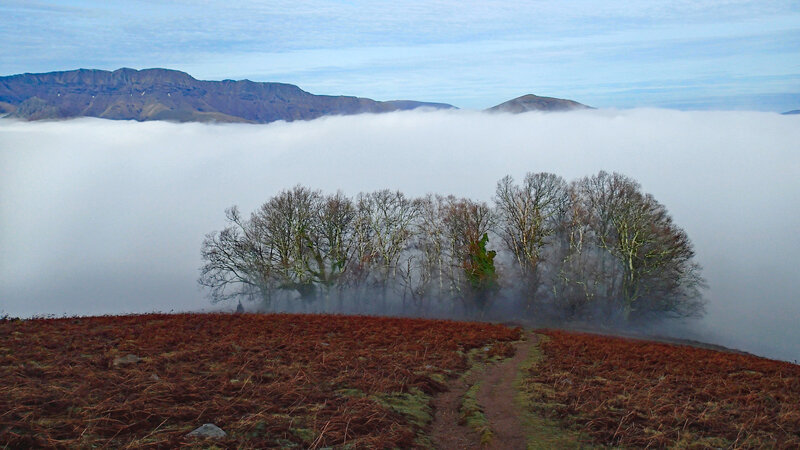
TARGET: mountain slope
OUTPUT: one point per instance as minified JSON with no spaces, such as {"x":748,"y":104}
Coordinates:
{"x":532,"y":102}
{"x":162,"y":94}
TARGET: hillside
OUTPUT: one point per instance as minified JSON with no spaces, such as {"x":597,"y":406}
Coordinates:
{"x":630,"y":393}
{"x":532,"y":102}
{"x":313,"y":381}
{"x":161,"y":94}
{"x":269,"y":381}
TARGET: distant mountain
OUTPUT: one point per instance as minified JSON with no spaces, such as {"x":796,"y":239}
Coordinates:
{"x":162,"y":94}
{"x":532,"y":102}
{"x":794,"y":111}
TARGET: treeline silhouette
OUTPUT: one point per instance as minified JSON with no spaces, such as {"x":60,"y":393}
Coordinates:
{"x":593,"y":249}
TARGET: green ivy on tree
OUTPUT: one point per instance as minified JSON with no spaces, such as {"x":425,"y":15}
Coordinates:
{"x":479,"y":267}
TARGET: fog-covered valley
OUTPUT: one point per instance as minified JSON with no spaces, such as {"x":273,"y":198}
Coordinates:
{"x":106,"y":217}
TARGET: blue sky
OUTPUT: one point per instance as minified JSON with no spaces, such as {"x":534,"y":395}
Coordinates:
{"x":734,"y":54}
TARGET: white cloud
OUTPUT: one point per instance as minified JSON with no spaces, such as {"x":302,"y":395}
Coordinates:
{"x":106,"y":217}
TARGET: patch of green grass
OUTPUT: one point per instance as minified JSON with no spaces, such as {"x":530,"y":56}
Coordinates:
{"x":305,"y":434}
{"x":414,"y":406}
{"x":476,"y":362}
{"x":541,"y":432}
{"x":285,"y":443}
{"x":349,"y":392}
{"x":435,"y":376}
{"x":472,"y":414}
{"x":690,"y":440}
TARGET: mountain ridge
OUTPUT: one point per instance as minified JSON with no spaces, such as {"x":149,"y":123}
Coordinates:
{"x":165,"y":94}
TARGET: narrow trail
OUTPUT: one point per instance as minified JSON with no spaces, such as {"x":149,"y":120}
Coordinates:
{"x":496,"y":396}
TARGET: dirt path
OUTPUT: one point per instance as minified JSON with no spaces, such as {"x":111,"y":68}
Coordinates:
{"x":496,"y":398}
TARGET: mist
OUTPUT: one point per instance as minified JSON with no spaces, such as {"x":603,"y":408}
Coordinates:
{"x":107,"y":217}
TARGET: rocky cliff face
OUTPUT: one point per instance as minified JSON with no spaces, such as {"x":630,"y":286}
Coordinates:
{"x":161,"y":94}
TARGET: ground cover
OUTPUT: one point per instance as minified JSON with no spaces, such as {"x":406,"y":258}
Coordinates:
{"x":631,"y":393}
{"x":267,"y":380}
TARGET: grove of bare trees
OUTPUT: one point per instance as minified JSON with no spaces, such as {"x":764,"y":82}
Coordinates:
{"x":592,"y":249}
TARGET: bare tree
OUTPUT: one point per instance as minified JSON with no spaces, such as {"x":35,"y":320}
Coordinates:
{"x":330,"y":239}
{"x":384,"y":229}
{"x":284,"y":223}
{"x":237,"y":262}
{"x":652,"y":268}
{"x":423,"y":267}
{"x":579,"y":263}
{"x":530,"y":216}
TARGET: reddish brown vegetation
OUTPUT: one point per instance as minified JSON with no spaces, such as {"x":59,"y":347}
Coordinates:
{"x":267,"y":380}
{"x":643,"y":394}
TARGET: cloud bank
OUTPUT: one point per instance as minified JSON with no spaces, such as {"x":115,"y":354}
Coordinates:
{"x":100,"y":217}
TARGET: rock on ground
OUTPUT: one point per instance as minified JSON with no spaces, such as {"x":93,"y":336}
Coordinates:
{"x":208,"y":430}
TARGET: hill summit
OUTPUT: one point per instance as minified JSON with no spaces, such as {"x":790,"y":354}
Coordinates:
{"x":532,"y":102}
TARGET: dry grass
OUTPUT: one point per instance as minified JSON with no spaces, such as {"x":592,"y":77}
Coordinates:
{"x":267,"y":380}
{"x":632,"y":393}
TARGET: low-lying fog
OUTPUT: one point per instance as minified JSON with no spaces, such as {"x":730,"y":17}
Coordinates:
{"x":101,"y":217}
